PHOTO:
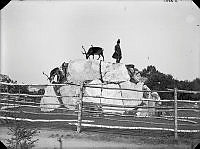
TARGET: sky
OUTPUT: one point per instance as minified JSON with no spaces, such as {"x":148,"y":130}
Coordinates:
{"x":38,"y":36}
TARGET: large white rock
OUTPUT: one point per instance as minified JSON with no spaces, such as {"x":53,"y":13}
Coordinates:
{"x":132,"y":94}
{"x":118,"y":96}
{"x":48,"y":104}
{"x":109,"y":93}
{"x":116,"y":72}
{"x":149,"y":95}
{"x":69,"y":91}
{"x":154,"y":96}
{"x":93,"y":92}
{"x":81,"y":70}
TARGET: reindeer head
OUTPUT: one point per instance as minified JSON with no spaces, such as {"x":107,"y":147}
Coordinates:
{"x":53,"y":73}
{"x":51,"y":78}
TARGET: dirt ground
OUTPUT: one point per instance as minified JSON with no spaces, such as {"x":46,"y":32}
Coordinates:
{"x":48,"y":138}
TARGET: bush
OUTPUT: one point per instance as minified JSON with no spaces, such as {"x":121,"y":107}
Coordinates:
{"x":21,"y":136}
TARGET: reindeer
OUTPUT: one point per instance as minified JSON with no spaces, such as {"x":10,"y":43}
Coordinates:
{"x":55,"y":72}
{"x":93,"y":51}
{"x":61,"y":74}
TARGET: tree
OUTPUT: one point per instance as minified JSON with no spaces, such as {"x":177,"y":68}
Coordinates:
{"x":161,"y":81}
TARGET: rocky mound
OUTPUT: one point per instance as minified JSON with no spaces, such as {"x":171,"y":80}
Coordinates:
{"x":102,"y":74}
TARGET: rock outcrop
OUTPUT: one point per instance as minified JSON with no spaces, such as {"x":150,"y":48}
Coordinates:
{"x":109,"y":75}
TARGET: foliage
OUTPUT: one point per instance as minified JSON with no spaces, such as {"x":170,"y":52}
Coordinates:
{"x":21,"y":136}
{"x":11,"y":88}
{"x":160,"y":81}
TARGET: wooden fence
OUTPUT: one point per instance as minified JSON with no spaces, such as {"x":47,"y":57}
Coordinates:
{"x":82,"y":116}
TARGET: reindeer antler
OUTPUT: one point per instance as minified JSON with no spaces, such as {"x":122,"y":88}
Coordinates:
{"x":48,"y":78}
{"x":84,"y":50}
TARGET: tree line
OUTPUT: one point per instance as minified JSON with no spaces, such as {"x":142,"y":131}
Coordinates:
{"x":159,"y":81}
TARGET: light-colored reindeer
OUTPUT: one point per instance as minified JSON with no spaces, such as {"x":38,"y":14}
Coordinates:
{"x":93,"y":51}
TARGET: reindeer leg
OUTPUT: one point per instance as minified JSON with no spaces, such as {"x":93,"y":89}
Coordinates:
{"x":98,"y":58}
{"x":93,"y":56}
{"x":102,"y":56}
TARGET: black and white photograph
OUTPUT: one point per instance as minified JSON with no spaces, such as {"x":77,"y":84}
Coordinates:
{"x":99,"y":74}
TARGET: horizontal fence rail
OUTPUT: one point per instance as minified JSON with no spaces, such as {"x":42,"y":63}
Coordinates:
{"x":186,"y":91}
{"x":27,"y":107}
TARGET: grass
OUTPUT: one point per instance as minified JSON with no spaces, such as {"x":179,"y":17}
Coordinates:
{"x":137,"y":136}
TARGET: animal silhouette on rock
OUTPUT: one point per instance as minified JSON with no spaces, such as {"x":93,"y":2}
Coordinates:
{"x":93,"y":51}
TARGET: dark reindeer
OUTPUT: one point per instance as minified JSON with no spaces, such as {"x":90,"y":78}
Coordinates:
{"x":93,"y":51}
{"x":61,"y":74}
{"x":55,"y":72}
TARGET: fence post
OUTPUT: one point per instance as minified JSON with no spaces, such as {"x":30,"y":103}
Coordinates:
{"x":80,"y":105}
{"x":175,"y":115}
